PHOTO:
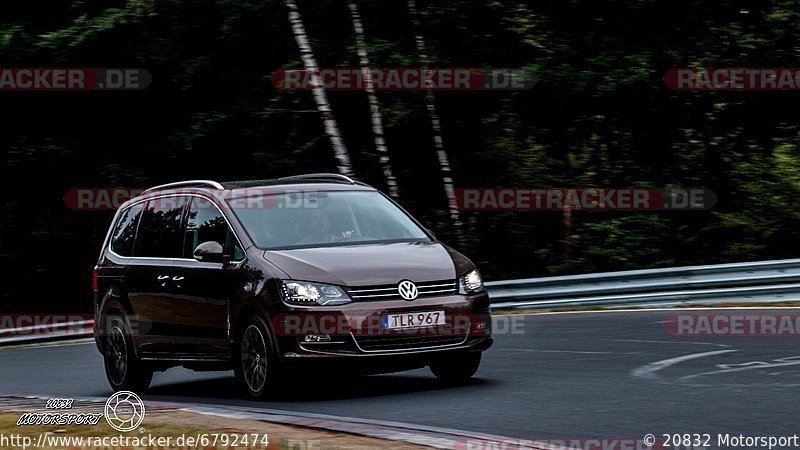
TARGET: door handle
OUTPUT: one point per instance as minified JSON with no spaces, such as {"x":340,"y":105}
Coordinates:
{"x":162,"y":279}
{"x":178,"y":281}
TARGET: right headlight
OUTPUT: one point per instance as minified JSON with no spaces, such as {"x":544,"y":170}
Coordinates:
{"x":306,"y":293}
{"x":471,"y":283}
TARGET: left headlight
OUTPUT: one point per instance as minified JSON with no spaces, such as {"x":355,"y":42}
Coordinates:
{"x":306,"y":293}
{"x":471,"y":283}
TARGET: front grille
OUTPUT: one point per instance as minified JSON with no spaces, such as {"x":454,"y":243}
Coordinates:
{"x":389,"y":291}
{"x":408,"y":342}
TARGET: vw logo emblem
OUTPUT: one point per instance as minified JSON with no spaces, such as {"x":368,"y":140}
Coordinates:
{"x":408,"y":290}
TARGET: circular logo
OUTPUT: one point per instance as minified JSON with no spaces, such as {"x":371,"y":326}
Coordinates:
{"x":407,"y":290}
{"x":124,"y":411}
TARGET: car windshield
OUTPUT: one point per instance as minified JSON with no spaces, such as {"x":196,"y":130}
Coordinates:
{"x":319,"y":219}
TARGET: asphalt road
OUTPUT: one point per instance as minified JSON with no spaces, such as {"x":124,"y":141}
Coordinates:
{"x":617,"y":374}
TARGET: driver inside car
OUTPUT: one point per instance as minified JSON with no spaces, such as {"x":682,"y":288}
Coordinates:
{"x":318,"y":228}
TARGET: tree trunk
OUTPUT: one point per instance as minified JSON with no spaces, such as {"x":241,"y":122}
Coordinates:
{"x":344,"y":165}
{"x":444,"y":161}
{"x":374,"y":107}
{"x":566,"y":214}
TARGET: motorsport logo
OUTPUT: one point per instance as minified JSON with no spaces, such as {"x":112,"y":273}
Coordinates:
{"x":124,"y":411}
{"x":73,"y":79}
{"x":59,"y":412}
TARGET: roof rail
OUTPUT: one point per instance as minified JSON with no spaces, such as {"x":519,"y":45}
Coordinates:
{"x":180,"y":184}
{"x":321,"y":176}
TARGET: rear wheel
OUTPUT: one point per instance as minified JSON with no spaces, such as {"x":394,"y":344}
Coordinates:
{"x":257,"y":367}
{"x":124,"y":371}
{"x":456,"y":368}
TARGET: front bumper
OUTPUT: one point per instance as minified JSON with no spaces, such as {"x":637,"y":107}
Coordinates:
{"x":377,"y":363}
{"x":354,"y":331}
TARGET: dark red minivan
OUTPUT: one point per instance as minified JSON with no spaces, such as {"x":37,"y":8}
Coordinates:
{"x":264,"y":276}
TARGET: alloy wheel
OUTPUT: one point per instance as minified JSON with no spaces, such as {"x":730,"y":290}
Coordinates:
{"x":116,"y":355}
{"x":254,"y":358}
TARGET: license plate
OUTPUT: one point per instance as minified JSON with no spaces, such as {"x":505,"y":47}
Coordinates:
{"x":412,"y":320}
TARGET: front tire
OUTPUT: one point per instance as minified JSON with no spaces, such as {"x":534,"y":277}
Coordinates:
{"x":456,"y":368}
{"x":256,"y":365}
{"x":124,"y":371}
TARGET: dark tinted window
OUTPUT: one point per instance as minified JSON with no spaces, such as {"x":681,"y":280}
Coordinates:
{"x":160,"y":231}
{"x":125,"y":232}
{"x":206,"y":223}
{"x":313,"y":219}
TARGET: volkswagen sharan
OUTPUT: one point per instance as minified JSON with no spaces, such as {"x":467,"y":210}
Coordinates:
{"x":270,"y":277}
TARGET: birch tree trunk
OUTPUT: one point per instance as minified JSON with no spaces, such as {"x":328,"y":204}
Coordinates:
{"x":444,"y":161}
{"x":374,"y":107}
{"x":344,"y":165}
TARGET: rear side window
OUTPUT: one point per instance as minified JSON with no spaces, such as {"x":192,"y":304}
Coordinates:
{"x":205,"y":223}
{"x":125,"y":232}
{"x":160,"y":229}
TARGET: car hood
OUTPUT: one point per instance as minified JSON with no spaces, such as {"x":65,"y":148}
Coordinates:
{"x":371,"y":264}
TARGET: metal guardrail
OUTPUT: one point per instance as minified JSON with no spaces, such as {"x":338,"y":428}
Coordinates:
{"x":762,"y":281}
{"x":34,"y":334}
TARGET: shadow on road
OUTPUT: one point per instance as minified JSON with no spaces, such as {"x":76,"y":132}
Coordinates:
{"x":308,"y":389}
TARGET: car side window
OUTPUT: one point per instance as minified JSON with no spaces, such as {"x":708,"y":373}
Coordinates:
{"x":125,"y":231}
{"x":160,"y":231}
{"x":205,"y":223}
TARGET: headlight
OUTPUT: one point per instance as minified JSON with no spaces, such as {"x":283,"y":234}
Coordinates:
{"x":471,"y":283}
{"x":305,"y":293}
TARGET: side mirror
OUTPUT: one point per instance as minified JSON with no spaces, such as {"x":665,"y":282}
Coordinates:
{"x":433,"y":235}
{"x":210,"y":251}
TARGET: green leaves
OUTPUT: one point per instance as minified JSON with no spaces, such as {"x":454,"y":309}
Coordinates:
{"x":599,"y":116}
